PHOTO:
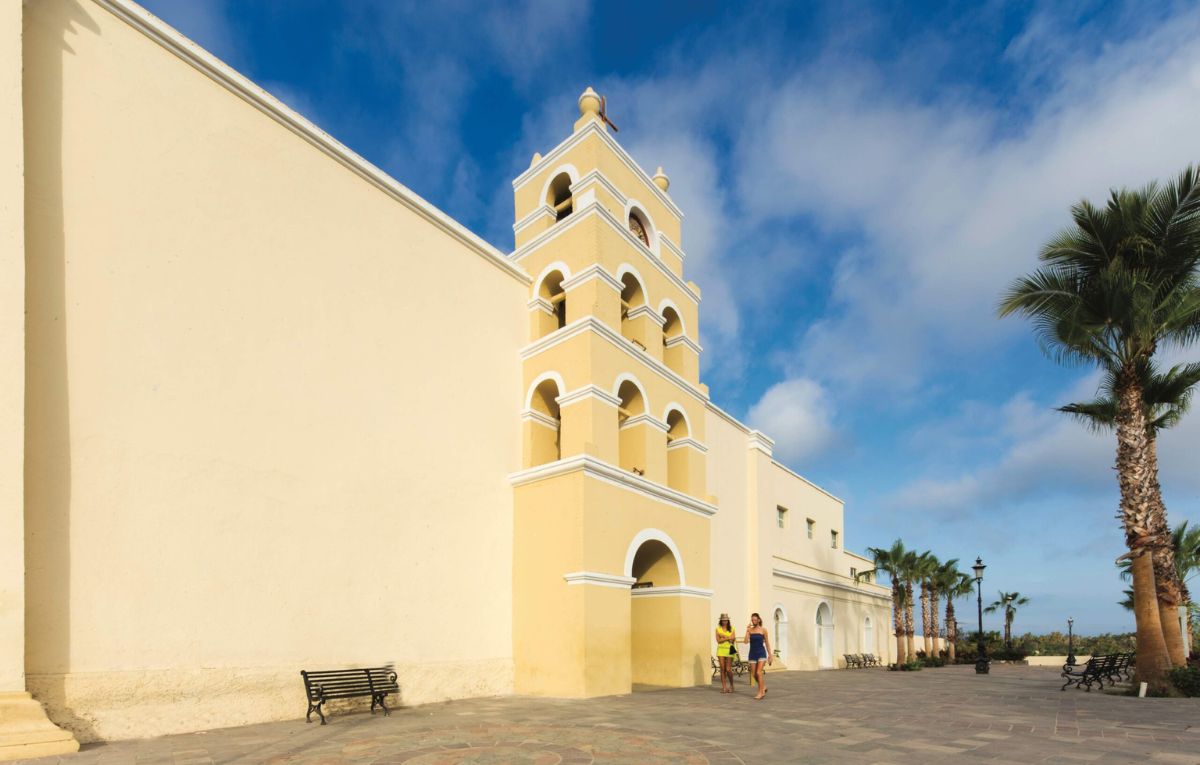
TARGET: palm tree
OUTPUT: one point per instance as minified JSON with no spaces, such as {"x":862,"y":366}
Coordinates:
{"x":1112,"y":288}
{"x":1009,"y":602}
{"x":1185,"y":541}
{"x":910,"y":567}
{"x":891,"y":561}
{"x":1166,"y":397}
{"x":925,"y":569}
{"x":955,"y":585}
{"x":943,"y":579}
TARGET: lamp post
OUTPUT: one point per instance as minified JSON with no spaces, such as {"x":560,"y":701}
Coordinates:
{"x":981,"y":661}
{"x":1070,"y":642}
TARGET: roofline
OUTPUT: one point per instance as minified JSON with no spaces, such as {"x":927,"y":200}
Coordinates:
{"x":223,"y":74}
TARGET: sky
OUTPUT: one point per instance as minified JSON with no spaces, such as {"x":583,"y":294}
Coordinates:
{"x":860,"y":181}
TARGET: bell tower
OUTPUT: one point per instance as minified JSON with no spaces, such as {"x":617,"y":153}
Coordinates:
{"x":612,"y":517}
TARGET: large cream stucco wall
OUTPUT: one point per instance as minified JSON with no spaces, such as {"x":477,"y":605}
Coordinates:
{"x":271,"y":408}
{"x":729,"y":551}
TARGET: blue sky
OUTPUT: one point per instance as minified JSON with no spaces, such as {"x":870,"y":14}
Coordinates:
{"x":860,"y":182}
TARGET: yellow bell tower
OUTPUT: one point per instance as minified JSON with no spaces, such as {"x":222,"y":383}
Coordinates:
{"x":612,"y":517}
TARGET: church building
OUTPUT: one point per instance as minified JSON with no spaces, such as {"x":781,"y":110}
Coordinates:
{"x":264,"y":409}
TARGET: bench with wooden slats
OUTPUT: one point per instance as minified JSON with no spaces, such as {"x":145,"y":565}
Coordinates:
{"x":327,"y":685}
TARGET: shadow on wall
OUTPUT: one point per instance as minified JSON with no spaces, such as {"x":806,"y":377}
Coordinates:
{"x":48,"y":28}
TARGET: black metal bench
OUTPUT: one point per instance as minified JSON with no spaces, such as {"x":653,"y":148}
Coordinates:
{"x":871,"y":660}
{"x":1111,"y":667}
{"x":853,"y":660}
{"x":326,"y":685}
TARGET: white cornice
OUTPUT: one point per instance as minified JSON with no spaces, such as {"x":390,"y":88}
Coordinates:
{"x":533,"y":415}
{"x":596,"y":178}
{"x":664,"y":239}
{"x":735,"y":422}
{"x":760,"y":441}
{"x":174,"y":42}
{"x":796,"y":475}
{"x":644,"y":419}
{"x":545,"y":211}
{"x":540,"y":304}
{"x":684,"y":340}
{"x":826,"y":583}
{"x":690,"y":443}
{"x":587,"y":391}
{"x":582,"y":214}
{"x":603,"y":471}
{"x":594,"y":271}
{"x":575,"y":139}
{"x":677,"y":590}
{"x":592,"y":324}
{"x":645,"y":310}
{"x":599,"y":579}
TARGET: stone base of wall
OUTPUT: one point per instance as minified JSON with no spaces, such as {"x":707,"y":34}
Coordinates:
{"x":108,"y":706}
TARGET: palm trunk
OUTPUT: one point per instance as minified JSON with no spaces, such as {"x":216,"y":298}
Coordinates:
{"x":933,"y":620}
{"x":1170,"y":589}
{"x":951,"y":629}
{"x":1008,"y":631}
{"x":908,"y":622}
{"x":1137,"y":517}
{"x":898,"y":620}
{"x":925,"y":616}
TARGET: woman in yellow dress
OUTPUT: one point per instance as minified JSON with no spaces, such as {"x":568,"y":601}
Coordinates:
{"x":726,"y":649}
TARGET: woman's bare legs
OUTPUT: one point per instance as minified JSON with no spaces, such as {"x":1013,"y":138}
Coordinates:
{"x":760,"y":675}
{"x":726,"y":675}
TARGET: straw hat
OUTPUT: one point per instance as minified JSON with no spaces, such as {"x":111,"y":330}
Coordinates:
{"x":724,"y":617}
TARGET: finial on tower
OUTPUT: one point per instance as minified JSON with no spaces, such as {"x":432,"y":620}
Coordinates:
{"x":593,"y":108}
{"x":660,"y":179}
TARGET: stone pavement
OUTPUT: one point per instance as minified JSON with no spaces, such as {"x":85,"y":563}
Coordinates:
{"x":1014,"y":715}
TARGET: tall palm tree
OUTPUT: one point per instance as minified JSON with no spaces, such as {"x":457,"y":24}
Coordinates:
{"x":955,"y":585}
{"x":925,"y":569}
{"x":1009,"y":602}
{"x":944,"y":577}
{"x":910,"y":567}
{"x":890,"y":561}
{"x":1185,"y":541}
{"x":1112,"y":288}
{"x":1166,"y":397}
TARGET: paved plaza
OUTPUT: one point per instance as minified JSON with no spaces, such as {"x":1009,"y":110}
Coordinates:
{"x":1015,"y":715}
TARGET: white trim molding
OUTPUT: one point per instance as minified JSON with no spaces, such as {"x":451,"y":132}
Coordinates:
{"x":594,"y":271}
{"x":597,"y":129}
{"x":543,"y":377}
{"x":685,"y":341}
{"x":533,"y":415}
{"x":664,"y":239}
{"x":599,"y":579}
{"x":782,"y":574}
{"x":644,"y":419}
{"x":668,"y":591}
{"x":596,"y":178}
{"x":756,"y":439}
{"x":646,"y":311}
{"x":625,"y":377}
{"x":676,"y":406}
{"x":688,"y":442}
{"x":588,"y":391}
{"x":632,"y":205}
{"x":540,"y":304}
{"x":544,"y":211}
{"x":242,"y":87}
{"x":604,"y":471}
{"x":571,"y":172}
{"x":653,"y":535}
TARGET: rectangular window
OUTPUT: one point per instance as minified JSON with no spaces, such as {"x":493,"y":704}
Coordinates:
{"x":833,"y":539}
{"x":810,"y":523}
{"x":781,"y":516}
{"x":853,"y":572}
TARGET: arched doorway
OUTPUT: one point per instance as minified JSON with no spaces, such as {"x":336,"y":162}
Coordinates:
{"x":779,"y":640}
{"x":655,"y":617}
{"x":824,"y":636}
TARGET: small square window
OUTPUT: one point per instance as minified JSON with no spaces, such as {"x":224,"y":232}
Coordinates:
{"x":833,"y":539}
{"x":781,"y":516}
{"x":811,"y":523}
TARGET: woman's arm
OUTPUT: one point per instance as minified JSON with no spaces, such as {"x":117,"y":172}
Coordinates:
{"x":767,"y":640}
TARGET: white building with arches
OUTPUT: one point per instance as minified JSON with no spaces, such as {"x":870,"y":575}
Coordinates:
{"x":244,"y":434}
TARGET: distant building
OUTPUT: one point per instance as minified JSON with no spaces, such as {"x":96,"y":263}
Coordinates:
{"x":263,"y":409}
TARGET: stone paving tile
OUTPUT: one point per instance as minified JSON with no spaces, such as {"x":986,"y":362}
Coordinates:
{"x":1016,"y":715}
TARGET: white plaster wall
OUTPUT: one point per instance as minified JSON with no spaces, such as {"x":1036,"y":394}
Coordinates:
{"x":730,"y":531}
{"x":271,"y":408}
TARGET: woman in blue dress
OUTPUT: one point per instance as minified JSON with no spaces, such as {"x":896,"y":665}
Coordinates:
{"x":760,"y":652}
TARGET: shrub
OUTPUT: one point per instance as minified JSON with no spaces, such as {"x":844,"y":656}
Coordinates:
{"x":933,"y":661}
{"x":1186,"y":680}
{"x":911,"y":666}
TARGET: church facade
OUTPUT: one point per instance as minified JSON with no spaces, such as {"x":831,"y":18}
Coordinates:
{"x":264,"y":409}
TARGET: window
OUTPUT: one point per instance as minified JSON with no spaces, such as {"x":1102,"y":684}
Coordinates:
{"x":853,"y":573}
{"x":558,"y":196}
{"x":781,"y":517}
{"x":638,"y":229}
{"x":833,"y":539}
{"x":811,"y":523}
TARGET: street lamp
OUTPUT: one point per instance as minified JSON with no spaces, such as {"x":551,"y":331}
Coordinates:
{"x":1070,"y":642}
{"x":981,"y":661}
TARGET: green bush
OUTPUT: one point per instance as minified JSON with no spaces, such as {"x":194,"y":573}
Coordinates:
{"x":933,"y":661}
{"x":1186,"y":680}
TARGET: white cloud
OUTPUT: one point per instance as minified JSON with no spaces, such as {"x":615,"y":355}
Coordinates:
{"x":796,"y":413}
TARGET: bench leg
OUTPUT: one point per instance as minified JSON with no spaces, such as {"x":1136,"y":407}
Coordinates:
{"x":386,"y":712}
{"x":319,"y":712}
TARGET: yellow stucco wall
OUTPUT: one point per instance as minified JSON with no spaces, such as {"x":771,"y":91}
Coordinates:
{"x":269,"y":405}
